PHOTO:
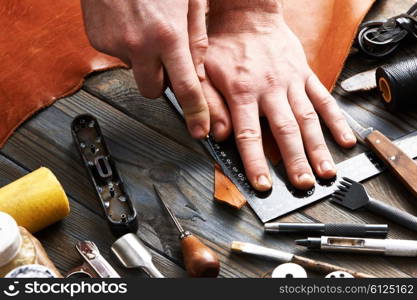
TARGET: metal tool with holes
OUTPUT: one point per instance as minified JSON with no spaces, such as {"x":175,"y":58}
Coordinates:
{"x":352,"y":195}
{"x":117,"y":206}
{"x":95,"y":265}
{"x":283,"y":198}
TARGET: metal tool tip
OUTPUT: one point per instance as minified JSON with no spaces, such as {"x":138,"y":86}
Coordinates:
{"x":269,"y":227}
{"x":237,"y":246}
{"x":303,"y":242}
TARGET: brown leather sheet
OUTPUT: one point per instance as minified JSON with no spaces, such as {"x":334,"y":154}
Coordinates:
{"x":44,"y":55}
{"x":326,"y":29}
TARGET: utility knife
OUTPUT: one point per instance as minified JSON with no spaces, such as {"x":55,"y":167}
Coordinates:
{"x":397,"y":160}
{"x":364,"y":81}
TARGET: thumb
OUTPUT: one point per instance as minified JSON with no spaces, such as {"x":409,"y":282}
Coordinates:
{"x":197,"y":34}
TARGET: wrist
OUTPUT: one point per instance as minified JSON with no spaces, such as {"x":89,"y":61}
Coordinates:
{"x":237,"y":16}
{"x":225,"y":6}
{"x":271,"y":6}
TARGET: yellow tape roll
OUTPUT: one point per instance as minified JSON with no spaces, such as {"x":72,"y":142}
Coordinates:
{"x":35,"y":201}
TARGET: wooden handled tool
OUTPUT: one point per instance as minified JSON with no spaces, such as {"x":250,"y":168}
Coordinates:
{"x":199,"y":260}
{"x":285,"y":257}
{"x":402,"y":165}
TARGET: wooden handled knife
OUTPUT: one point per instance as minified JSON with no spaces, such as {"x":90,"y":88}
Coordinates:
{"x":400,"y":163}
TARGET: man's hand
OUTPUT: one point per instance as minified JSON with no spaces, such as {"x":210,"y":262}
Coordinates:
{"x":151,"y":36}
{"x":258,"y":65}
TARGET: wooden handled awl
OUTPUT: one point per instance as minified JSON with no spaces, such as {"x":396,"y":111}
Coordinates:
{"x":399,"y":162}
{"x":199,"y":260}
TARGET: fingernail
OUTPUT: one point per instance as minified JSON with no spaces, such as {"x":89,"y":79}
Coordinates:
{"x":349,"y":137}
{"x":263,"y":183}
{"x":201,"y":72}
{"x":326,"y":166}
{"x":198,"y":132}
{"x":306,"y":179}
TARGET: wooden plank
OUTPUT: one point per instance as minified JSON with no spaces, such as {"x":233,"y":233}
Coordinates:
{"x":193,"y":189}
{"x":144,"y":157}
{"x":46,"y":140}
{"x":59,"y":239}
{"x":320,"y":212}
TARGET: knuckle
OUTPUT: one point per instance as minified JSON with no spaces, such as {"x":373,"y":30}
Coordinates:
{"x":326,"y":100}
{"x":241,"y":93}
{"x":271,"y":80}
{"x":285,"y":128}
{"x":165,"y":34}
{"x":200,"y":44}
{"x":320,"y":147}
{"x":194,"y":110}
{"x":309,"y":116}
{"x":130,"y":40}
{"x":298,"y":162}
{"x":248,"y":135}
{"x":338,"y":116}
{"x":241,"y":87}
{"x":186,"y":88}
{"x":217,"y":110}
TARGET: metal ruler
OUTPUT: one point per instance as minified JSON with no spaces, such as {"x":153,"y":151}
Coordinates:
{"x":283,"y":198}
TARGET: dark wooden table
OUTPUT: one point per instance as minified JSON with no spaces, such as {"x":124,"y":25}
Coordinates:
{"x":150,"y":144}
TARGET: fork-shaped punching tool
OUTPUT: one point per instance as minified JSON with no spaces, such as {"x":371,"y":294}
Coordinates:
{"x":353,"y":196}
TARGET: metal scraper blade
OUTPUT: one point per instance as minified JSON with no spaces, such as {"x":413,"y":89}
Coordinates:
{"x":283,"y":198}
{"x":364,"y":81}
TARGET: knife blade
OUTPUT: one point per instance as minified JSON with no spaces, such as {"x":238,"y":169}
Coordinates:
{"x":364,"y":81}
{"x":397,"y":160}
{"x":283,"y":198}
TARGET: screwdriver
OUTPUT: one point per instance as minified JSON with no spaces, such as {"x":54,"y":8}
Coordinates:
{"x":199,"y":260}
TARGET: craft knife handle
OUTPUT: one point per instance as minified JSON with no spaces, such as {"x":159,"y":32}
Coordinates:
{"x":403,"y":166}
{"x":394,"y":214}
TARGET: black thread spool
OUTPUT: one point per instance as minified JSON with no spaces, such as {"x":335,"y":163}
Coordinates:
{"x":398,"y":85}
